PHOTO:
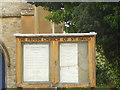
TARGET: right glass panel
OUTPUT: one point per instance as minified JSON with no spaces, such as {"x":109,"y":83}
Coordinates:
{"x":68,"y":63}
{"x":83,"y":63}
{"x":74,"y":63}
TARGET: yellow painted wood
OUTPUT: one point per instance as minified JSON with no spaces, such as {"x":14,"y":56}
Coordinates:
{"x":56,"y":62}
{"x":94,"y":62}
{"x":32,"y":86}
{"x":50,"y":39}
{"x":73,"y":86}
{"x":51,"y":63}
{"x":19,"y":64}
{"x":91,"y":52}
{"x":90,"y":60}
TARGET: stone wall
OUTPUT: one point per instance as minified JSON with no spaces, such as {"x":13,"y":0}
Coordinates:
{"x":13,"y":8}
{"x":10,"y":26}
{"x":11,"y":22}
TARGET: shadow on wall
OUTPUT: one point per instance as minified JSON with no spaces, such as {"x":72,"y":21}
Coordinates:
{"x":2,"y":70}
{"x":4,"y":55}
{"x":5,"y":52}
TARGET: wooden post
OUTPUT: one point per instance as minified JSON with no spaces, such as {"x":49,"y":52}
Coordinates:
{"x":92,"y":73}
{"x":56,"y":62}
{"x":18,"y":62}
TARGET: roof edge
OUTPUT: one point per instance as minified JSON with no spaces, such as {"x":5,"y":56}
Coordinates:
{"x":56,"y":34}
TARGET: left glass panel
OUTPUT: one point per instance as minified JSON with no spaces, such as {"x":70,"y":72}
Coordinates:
{"x":36,"y":62}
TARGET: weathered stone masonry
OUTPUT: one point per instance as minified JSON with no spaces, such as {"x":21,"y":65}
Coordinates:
{"x":18,"y":17}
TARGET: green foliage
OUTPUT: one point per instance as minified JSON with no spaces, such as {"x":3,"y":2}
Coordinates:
{"x":105,"y":70}
{"x":101,"y":17}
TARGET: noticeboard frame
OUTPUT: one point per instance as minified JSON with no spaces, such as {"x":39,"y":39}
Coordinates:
{"x":54,"y":58}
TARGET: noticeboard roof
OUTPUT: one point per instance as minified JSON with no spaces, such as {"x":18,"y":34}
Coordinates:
{"x":56,"y":34}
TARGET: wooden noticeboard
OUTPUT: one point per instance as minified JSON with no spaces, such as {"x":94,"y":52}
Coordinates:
{"x":56,"y":60}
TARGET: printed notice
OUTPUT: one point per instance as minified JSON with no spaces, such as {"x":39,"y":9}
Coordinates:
{"x":68,"y":63}
{"x":36,"y":62}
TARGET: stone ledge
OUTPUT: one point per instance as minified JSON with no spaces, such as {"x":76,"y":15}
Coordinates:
{"x":15,"y":9}
{"x":28,"y":12}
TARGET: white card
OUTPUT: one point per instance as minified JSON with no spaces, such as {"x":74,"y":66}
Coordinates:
{"x":36,"y":62}
{"x":68,"y":63}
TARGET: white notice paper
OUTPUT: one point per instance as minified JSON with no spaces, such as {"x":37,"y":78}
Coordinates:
{"x":68,"y":63}
{"x":36,"y":62}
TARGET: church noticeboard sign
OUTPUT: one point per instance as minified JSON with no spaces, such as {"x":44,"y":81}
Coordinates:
{"x":56,"y":60}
